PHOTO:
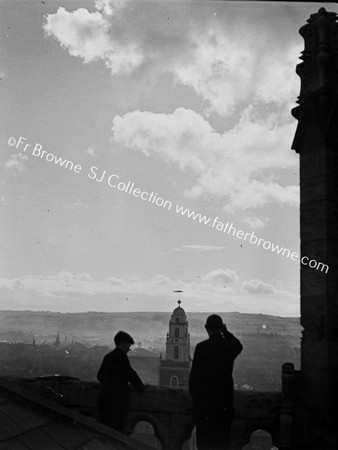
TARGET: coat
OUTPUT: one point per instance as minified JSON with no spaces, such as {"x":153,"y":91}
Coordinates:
{"x":210,"y":383}
{"x":115,"y":374}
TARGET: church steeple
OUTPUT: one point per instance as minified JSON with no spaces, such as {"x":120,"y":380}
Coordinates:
{"x":178,"y":338}
{"x":57,"y":340}
{"x":175,"y":367}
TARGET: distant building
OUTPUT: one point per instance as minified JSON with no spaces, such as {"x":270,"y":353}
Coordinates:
{"x":175,"y":367}
{"x":57,"y":340}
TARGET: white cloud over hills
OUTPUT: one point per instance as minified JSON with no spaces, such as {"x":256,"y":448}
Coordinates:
{"x":220,"y":288}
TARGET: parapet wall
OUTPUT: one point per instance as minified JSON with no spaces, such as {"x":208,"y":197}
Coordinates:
{"x":168,"y":410}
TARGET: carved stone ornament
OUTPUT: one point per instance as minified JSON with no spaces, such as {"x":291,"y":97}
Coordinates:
{"x":317,"y":112}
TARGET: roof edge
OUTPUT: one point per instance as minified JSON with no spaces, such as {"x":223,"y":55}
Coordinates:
{"x":71,"y":416}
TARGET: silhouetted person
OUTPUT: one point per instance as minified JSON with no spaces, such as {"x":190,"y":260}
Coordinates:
{"x":211,"y":385}
{"x":115,"y":374}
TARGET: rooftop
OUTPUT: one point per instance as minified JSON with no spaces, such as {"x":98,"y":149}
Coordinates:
{"x":29,"y":421}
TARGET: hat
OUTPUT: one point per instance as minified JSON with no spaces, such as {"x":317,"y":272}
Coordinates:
{"x":122,"y":336}
{"x":214,"y":323}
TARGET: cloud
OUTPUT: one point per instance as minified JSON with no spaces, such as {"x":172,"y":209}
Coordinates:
{"x":258,"y":193}
{"x":17,"y":162}
{"x":237,"y":164}
{"x":213,"y":56}
{"x":218,"y":290}
{"x":219,"y":61}
{"x":257,"y":287}
{"x":64,"y":275}
{"x":110,"y":7}
{"x":200,"y":248}
{"x":218,"y":69}
{"x":221,"y":277}
{"x":116,"y":281}
{"x":162,"y":280}
{"x":87,"y":35}
{"x":251,"y":80}
{"x":226,"y":69}
{"x":129,"y":37}
{"x":85,"y":276}
{"x":124,"y":34}
{"x":91,"y":151}
{"x":255,"y":222}
{"x":277,"y":81}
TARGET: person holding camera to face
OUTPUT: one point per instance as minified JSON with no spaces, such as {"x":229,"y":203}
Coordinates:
{"x":211,"y":384}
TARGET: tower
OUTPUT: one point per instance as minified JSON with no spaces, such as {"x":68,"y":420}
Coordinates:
{"x":316,"y":142}
{"x":175,"y":367}
{"x":57,"y":340}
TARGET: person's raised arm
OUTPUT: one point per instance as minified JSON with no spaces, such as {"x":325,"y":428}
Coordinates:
{"x":235,"y":344}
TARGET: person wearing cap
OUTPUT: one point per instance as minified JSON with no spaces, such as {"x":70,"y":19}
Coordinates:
{"x":211,"y":384}
{"x":114,"y":375}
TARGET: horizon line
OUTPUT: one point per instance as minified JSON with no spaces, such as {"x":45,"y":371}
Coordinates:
{"x":143,"y":312}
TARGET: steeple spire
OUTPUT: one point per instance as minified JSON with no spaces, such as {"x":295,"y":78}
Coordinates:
{"x":57,"y":340}
{"x":175,"y":366}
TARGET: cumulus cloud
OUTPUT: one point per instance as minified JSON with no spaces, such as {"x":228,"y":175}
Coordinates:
{"x":80,"y":292}
{"x":255,"y":222}
{"x":116,"y":281}
{"x":87,"y":35}
{"x":236,"y":164}
{"x":162,"y":280}
{"x":17,"y":162}
{"x":219,"y":70}
{"x":225,"y":70}
{"x":230,"y":72}
{"x":221,"y":277}
{"x":110,"y":7}
{"x":223,"y":67}
{"x":257,"y":287}
{"x":127,"y":36}
{"x":277,"y":81}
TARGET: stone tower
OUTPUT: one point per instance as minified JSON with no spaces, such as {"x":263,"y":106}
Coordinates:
{"x":316,"y":142}
{"x":175,"y":367}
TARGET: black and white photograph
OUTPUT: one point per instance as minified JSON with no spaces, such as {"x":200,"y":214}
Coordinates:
{"x":169,"y":226}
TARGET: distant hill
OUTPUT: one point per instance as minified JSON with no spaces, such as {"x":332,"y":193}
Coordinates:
{"x":22,"y":325}
{"x":268,"y":342}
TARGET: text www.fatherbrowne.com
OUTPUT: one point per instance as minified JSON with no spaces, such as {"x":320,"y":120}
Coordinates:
{"x":112,"y":180}
{"x":251,"y":238}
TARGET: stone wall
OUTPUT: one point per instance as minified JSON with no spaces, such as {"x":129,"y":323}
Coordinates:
{"x":169,"y":410}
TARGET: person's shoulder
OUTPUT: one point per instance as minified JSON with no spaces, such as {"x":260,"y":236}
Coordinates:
{"x":119,"y":355}
{"x":111,"y":354}
{"x":202,"y":345}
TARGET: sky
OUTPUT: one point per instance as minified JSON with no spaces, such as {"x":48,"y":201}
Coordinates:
{"x":187,"y":101}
